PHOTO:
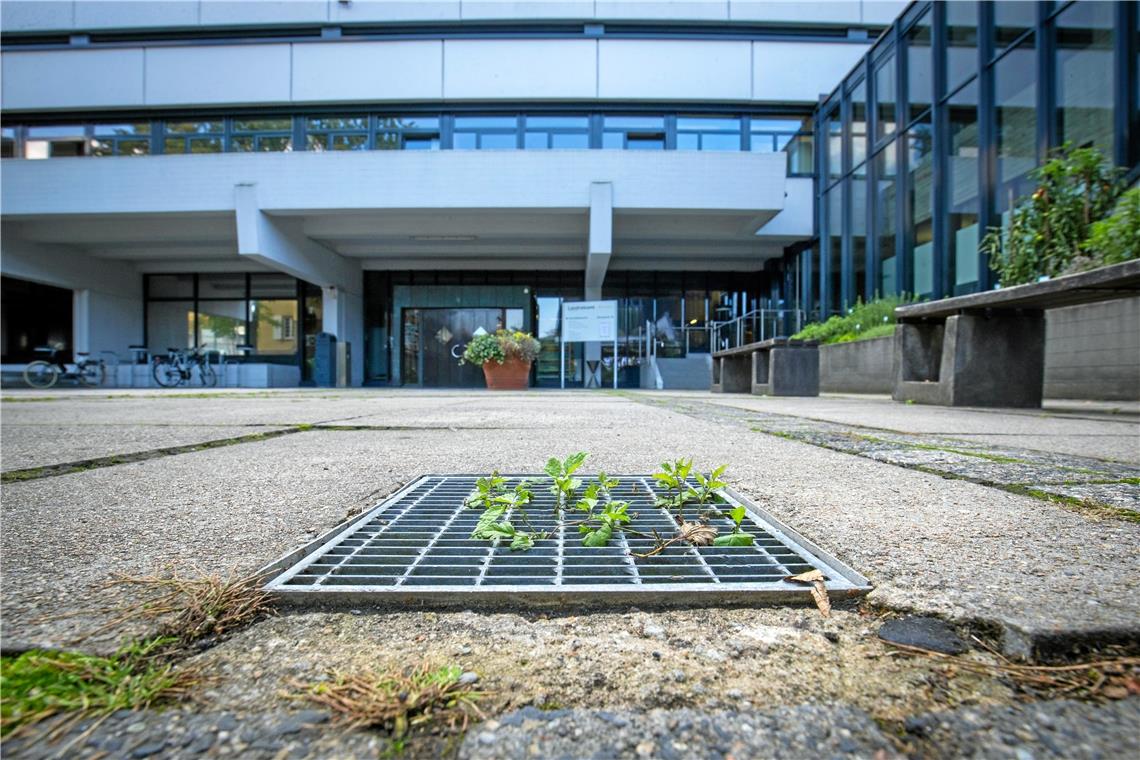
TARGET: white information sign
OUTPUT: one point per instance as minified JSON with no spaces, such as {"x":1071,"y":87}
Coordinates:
{"x":588,"y":321}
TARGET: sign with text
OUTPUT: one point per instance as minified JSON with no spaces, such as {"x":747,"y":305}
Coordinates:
{"x":589,"y":321}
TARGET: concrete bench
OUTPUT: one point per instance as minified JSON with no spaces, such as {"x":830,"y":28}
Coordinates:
{"x":774,"y":367}
{"x":988,"y":349}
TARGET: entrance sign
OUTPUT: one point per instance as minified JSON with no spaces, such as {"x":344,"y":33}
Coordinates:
{"x":588,"y":322}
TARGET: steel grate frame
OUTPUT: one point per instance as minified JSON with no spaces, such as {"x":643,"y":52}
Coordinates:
{"x":415,"y":546}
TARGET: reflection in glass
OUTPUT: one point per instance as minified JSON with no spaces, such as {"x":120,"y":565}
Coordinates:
{"x":962,"y":187}
{"x":886,"y":95}
{"x":1086,"y":75}
{"x":1015,"y":85}
{"x":859,"y":235}
{"x":920,"y":187}
{"x":708,"y":133}
{"x":834,"y":144}
{"x":221,"y":325}
{"x":886,"y":169}
{"x":859,"y":128}
{"x":920,"y":68}
{"x":169,"y":324}
{"x":833,"y":208}
{"x":274,"y":326}
{"x":1012,"y":18}
{"x":962,"y":42}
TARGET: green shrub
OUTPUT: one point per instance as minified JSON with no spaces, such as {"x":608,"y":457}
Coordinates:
{"x":1117,"y":238}
{"x":862,"y":321}
{"x":503,"y":345}
{"x":1049,"y":230}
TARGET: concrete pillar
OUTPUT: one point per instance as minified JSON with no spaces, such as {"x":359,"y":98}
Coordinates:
{"x":599,"y":250}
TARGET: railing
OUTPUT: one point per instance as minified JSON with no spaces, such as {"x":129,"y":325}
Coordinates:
{"x":756,"y":325}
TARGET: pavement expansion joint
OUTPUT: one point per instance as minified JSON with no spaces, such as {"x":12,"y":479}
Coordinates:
{"x":416,"y":546}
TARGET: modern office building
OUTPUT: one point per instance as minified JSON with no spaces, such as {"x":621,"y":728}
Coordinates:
{"x":400,"y":174}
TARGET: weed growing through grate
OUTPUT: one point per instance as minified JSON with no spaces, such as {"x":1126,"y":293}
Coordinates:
{"x":737,"y":537}
{"x":401,"y":703}
{"x":675,"y":476}
{"x":565,"y":484}
{"x":40,"y":684}
{"x":497,"y":505}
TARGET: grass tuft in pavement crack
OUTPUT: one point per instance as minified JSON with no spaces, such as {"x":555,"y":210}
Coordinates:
{"x":190,"y":610}
{"x":40,"y":684}
{"x":420,"y":699}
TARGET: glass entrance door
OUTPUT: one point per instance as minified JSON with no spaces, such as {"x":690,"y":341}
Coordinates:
{"x":435,"y":339}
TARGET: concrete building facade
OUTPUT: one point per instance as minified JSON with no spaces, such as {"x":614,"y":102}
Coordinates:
{"x":243,"y":176}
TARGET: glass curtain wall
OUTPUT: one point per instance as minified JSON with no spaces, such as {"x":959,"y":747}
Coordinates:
{"x":965,"y":100}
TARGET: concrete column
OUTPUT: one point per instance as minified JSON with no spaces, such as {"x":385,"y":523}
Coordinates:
{"x":599,"y":250}
{"x":342,"y":314}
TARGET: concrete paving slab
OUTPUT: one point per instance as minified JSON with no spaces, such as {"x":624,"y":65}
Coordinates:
{"x":26,"y":445}
{"x":946,"y":547}
{"x":1092,"y":430}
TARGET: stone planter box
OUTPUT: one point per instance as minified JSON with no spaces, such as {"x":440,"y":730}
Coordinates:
{"x":862,"y":366}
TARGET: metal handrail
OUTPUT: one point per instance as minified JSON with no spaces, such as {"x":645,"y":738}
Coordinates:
{"x":758,"y":317}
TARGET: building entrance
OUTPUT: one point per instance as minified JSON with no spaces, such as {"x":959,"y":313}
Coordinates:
{"x":435,"y":339}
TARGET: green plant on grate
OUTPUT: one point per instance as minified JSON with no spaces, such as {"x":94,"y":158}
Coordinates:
{"x":565,"y":485}
{"x":737,"y":537}
{"x":600,"y":529}
{"x":492,"y":524}
{"x":674,"y":477}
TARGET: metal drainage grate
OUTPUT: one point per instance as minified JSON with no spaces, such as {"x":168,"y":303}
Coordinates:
{"x":416,"y":546}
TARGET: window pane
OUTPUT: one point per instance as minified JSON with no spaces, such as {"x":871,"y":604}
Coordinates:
{"x":194,"y":127}
{"x":569,"y":141}
{"x":497,"y":142}
{"x":221,"y":285}
{"x":859,"y":235}
{"x":761,"y":142}
{"x":833,"y":207}
{"x":708,"y":124}
{"x":464,"y":141}
{"x":269,"y":285}
{"x":141,"y":128}
{"x":263,"y":125}
{"x":720,"y":142}
{"x":962,"y":181}
{"x":274,"y":325}
{"x":559,"y":122}
{"x":73,"y":130}
{"x":421,"y":142}
{"x":350,"y":142}
{"x":859,"y":124}
{"x":884,"y":210}
{"x":337,"y":123}
{"x":645,"y":142}
{"x":1015,"y":85}
{"x":273,"y":144}
{"x":132,"y":147}
{"x":920,"y":68}
{"x":962,"y":43}
{"x":536,"y":140}
{"x":1085,"y":75}
{"x":474,"y":122}
{"x":170,"y":286}
{"x":205,"y":144}
{"x":1012,"y":18}
{"x":612,"y":140}
{"x":885,"y":96}
{"x":221,"y":325}
{"x":920,"y":187}
{"x":834,"y":145}
{"x":801,"y":160}
{"x":169,"y":324}
{"x":635,"y":122}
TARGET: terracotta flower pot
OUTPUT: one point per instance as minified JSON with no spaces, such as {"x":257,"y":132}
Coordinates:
{"x":511,"y":375}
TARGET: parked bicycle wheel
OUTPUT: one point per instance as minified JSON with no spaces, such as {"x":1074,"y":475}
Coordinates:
{"x":166,"y":374}
{"x":207,"y":375}
{"x":41,"y":374}
{"x":92,"y":374}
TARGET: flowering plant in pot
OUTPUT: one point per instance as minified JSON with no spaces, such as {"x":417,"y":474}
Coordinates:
{"x":505,"y":356}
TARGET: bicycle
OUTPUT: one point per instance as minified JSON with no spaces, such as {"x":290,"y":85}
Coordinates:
{"x":177,"y":368}
{"x":44,"y":373}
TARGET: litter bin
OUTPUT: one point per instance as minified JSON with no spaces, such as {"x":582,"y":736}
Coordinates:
{"x":325,"y":361}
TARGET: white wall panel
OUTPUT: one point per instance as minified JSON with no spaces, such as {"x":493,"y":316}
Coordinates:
{"x":116,"y":14}
{"x":367,"y":71}
{"x":72,"y":79}
{"x":379,"y":11}
{"x":513,"y":9}
{"x":823,"y":12}
{"x":797,"y":71}
{"x":335,"y":181}
{"x":229,"y":12}
{"x":36,"y":15}
{"x":704,"y":10}
{"x":795,"y":220}
{"x":519,"y":69}
{"x":218,"y":74}
{"x":674,"y":70}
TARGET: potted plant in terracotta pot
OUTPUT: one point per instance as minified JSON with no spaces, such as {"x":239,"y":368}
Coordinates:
{"x":505,"y":356}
